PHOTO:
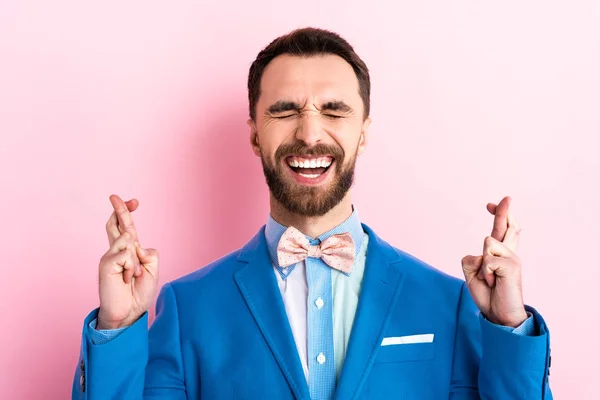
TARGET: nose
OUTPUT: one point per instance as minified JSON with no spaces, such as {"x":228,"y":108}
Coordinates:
{"x":310,"y":131}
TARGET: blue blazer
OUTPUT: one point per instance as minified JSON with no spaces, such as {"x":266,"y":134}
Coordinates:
{"x":222,"y":332}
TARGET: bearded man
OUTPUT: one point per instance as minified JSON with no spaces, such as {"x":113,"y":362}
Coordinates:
{"x":316,"y":305}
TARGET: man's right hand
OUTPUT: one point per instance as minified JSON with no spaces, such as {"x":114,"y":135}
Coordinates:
{"x":128,"y":272}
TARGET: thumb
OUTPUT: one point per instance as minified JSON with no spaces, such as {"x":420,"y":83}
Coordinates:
{"x":146,"y":256}
{"x":141,"y":252}
{"x":148,"y":261}
{"x":471,"y":266}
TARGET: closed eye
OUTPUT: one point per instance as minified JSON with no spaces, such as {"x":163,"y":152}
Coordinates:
{"x":283,"y":116}
{"x":334,"y":116}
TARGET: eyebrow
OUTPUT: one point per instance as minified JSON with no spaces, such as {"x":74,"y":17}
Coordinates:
{"x":336,"y":105}
{"x":284,"y":105}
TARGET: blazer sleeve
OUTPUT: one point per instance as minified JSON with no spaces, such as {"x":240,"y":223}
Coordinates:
{"x":137,"y":364}
{"x":493,"y":363}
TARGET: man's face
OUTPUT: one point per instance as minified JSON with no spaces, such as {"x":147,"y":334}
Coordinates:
{"x":308,"y":131}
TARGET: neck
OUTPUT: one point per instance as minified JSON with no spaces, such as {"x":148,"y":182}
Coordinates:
{"x":312,"y":226}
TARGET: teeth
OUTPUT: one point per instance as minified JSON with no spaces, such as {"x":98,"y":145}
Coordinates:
{"x":314,"y":163}
{"x":309,"y":175}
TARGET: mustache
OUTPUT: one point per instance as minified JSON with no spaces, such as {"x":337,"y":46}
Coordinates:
{"x":300,"y":149}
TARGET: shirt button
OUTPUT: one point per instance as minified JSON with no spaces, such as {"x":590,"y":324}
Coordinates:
{"x":319,"y":303}
{"x":321,"y":358}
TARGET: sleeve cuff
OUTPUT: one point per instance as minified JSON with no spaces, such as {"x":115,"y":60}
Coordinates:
{"x":506,"y":355}
{"x":102,"y":336}
{"x":527,"y":328}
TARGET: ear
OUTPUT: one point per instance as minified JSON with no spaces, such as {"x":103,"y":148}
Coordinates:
{"x":364,"y":135}
{"x":254,"y":137}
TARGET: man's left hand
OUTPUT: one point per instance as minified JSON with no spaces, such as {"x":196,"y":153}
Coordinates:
{"x":494,"y":279}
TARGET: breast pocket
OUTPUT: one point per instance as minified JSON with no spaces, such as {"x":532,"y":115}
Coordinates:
{"x":406,"y":352}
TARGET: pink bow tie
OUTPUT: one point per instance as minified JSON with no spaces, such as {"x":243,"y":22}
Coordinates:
{"x":337,"y":251}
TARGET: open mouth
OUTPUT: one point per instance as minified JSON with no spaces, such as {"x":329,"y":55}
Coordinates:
{"x":310,"y":168}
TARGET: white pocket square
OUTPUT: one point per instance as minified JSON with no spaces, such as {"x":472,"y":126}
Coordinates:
{"x":411,"y":339}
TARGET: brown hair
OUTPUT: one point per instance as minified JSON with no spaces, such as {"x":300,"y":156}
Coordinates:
{"x":308,"y":42}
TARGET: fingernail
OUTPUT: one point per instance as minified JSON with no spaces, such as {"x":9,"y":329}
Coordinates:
{"x":137,"y":244}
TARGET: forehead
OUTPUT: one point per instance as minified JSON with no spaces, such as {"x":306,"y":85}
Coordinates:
{"x":314,"y":79}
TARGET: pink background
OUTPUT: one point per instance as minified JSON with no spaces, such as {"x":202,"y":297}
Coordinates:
{"x":471,"y":101}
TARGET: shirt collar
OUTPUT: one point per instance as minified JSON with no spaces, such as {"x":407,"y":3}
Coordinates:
{"x":274,"y":230}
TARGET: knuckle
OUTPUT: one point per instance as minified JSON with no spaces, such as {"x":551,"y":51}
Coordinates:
{"x":488,"y":259}
{"x":129,"y":261}
{"x":114,"y":248}
{"x":488,"y":241}
{"x":468,"y":260}
{"x":130,"y":250}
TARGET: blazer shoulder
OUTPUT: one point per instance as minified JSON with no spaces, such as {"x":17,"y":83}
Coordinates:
{"x":420,"y":270}
{"x":414,"y":268}
{"x":216,"y":280}
{"x":221,"y":269}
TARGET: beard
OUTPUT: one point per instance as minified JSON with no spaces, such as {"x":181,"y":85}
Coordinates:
{"x":308,"y":201}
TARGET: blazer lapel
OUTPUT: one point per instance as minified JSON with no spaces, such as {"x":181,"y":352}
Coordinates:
{"x":258,"y":286}
{"x":382,"y":283}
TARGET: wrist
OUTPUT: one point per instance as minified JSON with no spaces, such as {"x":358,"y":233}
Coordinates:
{"x":107,"y":324}
{"x":512,"y":321}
